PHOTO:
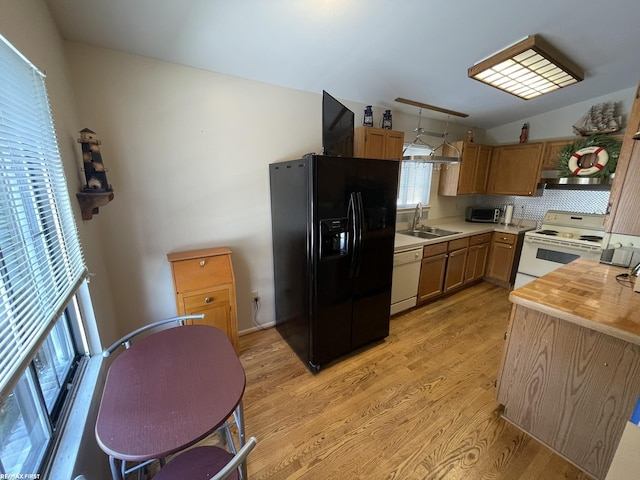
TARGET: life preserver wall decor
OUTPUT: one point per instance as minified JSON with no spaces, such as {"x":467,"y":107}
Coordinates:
{"x":592,"y":156}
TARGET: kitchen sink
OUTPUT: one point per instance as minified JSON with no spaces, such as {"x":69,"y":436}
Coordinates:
{"x":428,"y":232}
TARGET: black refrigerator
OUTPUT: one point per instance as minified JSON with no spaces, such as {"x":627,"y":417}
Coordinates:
{"x":333,"y":226}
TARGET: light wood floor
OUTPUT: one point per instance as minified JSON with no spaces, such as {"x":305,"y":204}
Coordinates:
{"x":420,"y":405}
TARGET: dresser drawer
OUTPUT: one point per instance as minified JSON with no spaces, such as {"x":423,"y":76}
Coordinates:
{"x":435,"y":249}
{"x":458,"y":244}
{"x":478,"y":239}
{"x":509,"y":238}
{"x":197,"y":302}
{"x":198,"y":273}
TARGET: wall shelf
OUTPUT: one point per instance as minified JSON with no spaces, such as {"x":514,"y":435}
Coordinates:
{"x":91,"y":201}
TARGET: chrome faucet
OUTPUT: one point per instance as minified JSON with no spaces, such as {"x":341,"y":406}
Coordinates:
{"x":417,"y":215}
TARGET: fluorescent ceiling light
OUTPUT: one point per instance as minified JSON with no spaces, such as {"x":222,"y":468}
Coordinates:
{"x":530,"y":68}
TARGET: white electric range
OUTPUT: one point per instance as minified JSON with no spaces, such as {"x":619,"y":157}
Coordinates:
{"x":562,"y":237}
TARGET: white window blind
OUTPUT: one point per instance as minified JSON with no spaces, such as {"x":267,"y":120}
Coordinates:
{"x":415,"y":179}
{"x":41,"y":262}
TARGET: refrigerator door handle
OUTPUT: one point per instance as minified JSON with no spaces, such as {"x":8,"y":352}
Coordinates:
{"x":357,"y":218}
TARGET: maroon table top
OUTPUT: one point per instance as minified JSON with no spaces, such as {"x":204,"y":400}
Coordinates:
{"x":167,"y":392}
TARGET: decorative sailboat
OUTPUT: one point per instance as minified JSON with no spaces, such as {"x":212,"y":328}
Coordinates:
{"x":601,"y":118}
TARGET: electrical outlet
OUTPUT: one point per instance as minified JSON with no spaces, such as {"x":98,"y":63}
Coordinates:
{"x":255,"y":295}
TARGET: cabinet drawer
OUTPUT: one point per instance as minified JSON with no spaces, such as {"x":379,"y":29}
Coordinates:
{"x":198,"y":273}
{"x":458,"y":244}
{"x":478,"y":239}
{"x":435,"y":249}
{"x":509,"y":238}
{"x":196,"y":302}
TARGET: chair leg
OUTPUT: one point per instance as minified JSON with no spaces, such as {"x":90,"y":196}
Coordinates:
{"x":238,"y":414}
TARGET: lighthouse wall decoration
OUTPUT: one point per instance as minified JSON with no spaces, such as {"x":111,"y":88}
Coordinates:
{"x":94,"y":171}
{"x":96,"y":192}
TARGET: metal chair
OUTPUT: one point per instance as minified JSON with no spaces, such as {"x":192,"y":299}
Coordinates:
{"x":206,"y":463}
{"x":126,"y":342}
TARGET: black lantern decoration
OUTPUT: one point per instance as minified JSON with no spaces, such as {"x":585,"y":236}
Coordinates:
{"x":94,"y":171}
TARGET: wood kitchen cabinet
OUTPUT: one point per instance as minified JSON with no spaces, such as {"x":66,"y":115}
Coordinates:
{"x":371,"y":142}
{"x":501,"y":263}
{"x":204,"y":282}
{"x":477,"y":257}
{"x":515,"y":169}
{"x":624,"y":201}
{"x":570,"y":387}
{"x":456,"y":264}
{"x":551,"y":152}
{"x":443,"y":268}
{"x":432,"y":272}
{"x":470,"y":175}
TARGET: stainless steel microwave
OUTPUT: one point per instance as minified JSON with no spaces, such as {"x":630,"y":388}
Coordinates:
{"x":483,"y":214}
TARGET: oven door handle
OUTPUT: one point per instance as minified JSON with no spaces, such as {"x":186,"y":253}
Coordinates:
{"x":561,"y":243}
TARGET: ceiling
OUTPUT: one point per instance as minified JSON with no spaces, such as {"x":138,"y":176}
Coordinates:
{"x":373,"y":51}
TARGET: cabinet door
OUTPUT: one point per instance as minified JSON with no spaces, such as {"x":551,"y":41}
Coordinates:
{"x":500,"y":261}
{"x":466,"y":181}
{"x":215,"y":303}
{"x":482,"y":169}
{"x":569,"y":386}
{"x":624,"y":202}
{"x":456,"y":264}
{"x":394,"y":145}
{"x":551,"y":152}
{"x":515,"y":169}
{"x":476,"y":262}
{"x":432,"y":277}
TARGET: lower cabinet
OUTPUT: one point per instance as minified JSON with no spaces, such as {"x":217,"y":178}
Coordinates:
{"x":570,"y":387}
{"x":432,"y":272}
{"x":456,"y":264}
{"x":445,"y":267}
{"x":477,"y":257}
{"x":501,"y":263}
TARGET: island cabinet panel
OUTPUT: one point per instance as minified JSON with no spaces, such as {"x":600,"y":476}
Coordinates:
{"x":571,"y":387}
{"x":624,"y":202}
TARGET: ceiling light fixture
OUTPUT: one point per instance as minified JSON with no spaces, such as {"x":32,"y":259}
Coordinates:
{"x":527,"y":69}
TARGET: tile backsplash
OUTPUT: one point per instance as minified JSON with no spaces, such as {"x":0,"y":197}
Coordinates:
{"x":583,"y":201}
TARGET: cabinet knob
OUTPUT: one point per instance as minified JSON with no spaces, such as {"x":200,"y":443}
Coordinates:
{"x":202,"y":262}
{"x":208,"y":300}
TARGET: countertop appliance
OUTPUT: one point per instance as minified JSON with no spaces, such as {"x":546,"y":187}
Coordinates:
{"x":562,"y":237}
{"x":406,"y":276}
{"x":482,"y":214}
{"x":333,"y":226}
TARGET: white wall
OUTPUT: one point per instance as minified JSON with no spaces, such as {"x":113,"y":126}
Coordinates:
{"x":558,"y":123}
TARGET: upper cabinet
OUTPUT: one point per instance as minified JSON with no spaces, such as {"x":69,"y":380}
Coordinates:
{"x":551,"y":151}
{"x":470,"y":175}
{"x":624,"y":202}
{"x":371,"y":142}
{"x":515,"y":169}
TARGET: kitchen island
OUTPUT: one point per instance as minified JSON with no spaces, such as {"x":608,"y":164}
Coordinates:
{"x":570,"y":375}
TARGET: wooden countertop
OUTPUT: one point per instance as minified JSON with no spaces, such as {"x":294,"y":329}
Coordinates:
{"x":587,"y":293}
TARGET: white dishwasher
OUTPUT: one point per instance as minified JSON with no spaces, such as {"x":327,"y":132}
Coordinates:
{"x":406,"y":275}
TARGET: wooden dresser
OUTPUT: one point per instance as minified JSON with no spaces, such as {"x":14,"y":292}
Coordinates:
{"x":203,"y":282}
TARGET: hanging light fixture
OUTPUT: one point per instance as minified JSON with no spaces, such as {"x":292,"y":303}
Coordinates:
{"x":527,"y":69}
{"x":419,"y":143}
